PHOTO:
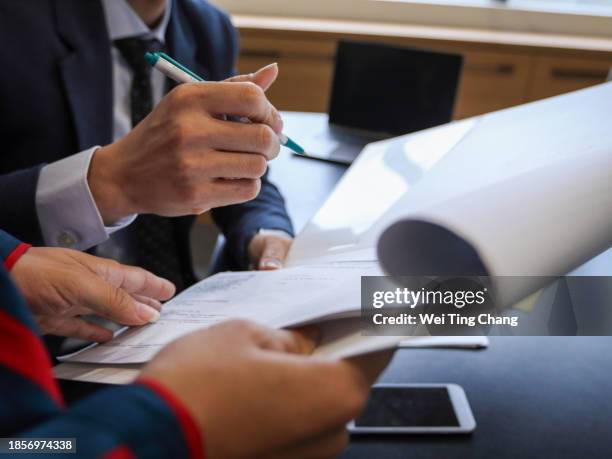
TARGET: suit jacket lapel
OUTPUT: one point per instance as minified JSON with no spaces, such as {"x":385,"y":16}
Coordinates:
{"x":181,"y":42}
{"x":86,"y":70}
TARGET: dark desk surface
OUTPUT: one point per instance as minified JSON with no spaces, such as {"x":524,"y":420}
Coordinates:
{"x":531,"y":397}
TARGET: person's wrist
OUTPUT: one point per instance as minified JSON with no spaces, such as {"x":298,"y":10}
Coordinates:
{"x":19,"y":272}
{"x":109,"y":192}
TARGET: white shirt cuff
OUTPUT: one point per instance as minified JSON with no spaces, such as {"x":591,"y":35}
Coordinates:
{"x":67,"y":212}
{"x":275,"y":232}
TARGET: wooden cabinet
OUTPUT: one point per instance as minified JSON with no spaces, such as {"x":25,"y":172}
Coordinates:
{"x":303,"y":83}
{"x":496,"y":74}
{"x":306,"y":68}
{"x":557,"y":75}
{"x":491,"y":81}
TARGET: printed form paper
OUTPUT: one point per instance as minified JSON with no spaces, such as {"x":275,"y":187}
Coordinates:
{"x":283,"y":298}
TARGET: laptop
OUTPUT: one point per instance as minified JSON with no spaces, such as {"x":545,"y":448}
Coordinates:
{"x":381,"y":91}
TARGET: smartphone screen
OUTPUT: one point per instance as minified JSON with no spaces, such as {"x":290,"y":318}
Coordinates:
{"x":408,"y":407}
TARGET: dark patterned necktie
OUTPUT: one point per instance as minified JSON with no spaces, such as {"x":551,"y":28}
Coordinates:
{"x":154,"y":236}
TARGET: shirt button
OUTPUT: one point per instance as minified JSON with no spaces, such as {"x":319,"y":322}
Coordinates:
{"x":66,"y":240}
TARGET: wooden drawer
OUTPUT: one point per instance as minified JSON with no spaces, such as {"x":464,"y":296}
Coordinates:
{"x":306,"y":67}
{"x":492,"y":81}
{"x":554,"y":75}
{"x":271,"y":46}
{"x":303,"y":83}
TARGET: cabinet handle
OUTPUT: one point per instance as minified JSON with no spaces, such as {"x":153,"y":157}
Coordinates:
{"x":500,"y":69}
{"x":579,"y":74}
{"x":264,"y":53}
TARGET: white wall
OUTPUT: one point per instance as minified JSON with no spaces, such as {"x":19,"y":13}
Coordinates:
{"x":594,"y":20}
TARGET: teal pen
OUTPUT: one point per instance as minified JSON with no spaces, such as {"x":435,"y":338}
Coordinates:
{"x":177,"y":72}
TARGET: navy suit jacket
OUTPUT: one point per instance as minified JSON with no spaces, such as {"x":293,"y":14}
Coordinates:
{"x":57,"y":101}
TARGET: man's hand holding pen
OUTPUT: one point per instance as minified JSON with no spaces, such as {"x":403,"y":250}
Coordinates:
{"x":195,"y":159}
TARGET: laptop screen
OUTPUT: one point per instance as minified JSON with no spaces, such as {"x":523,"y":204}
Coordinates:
{"x":391,"y":90}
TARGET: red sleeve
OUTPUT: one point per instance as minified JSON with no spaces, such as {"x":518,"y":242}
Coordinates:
{"x":189,"y":427}
{"x":15,"y":255}
{"x":11,"y":249}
